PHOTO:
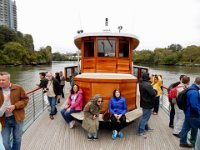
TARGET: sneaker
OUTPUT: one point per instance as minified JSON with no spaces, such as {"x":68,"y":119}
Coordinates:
{"x":71,"y":124}
{"x":90,"y":138}
{"x":114,"y":134}
{"x":120,"y":134}
{"x":176,"y":135}
{"x":95,"y":138}
{"x":149,"y":130}
{"x":143,"y":135}
{"x":186,"y":145}
{"x":51,"y":117}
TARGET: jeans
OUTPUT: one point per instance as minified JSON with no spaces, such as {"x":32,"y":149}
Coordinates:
{"x":1,"y":143}
{"x":197,"y":144}
{"x":16,"y":128}
{"x":178,"y":119}
{"x":172,"y":113}
{"x":52,"y":103}
{"x":189,"y":123}
{"x":157,"y":103}
{"x":67,"y":115}
{"x":94,"y":134}
{"x":144,"y":120}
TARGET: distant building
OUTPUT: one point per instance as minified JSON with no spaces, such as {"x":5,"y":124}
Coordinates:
{"x":8,"y":14}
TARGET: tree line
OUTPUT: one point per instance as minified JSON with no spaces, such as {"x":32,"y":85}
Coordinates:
{"x":174,"y":54}
{"x":17,"y":48}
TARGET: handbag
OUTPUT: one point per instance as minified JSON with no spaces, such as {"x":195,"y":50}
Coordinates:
{"x":106,"y":115}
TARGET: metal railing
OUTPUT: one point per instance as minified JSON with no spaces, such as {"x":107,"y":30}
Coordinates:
{"x":164,"y":101}
{"x":35,"y":107}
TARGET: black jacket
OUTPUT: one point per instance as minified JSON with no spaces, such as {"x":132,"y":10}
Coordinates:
{"x":56,"y":86}
{"x":147,"y":93}
{"x":43,"y":83}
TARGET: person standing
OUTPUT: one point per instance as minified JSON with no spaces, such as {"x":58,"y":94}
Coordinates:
{"x":12,"y":120}
{"x":43,"y":80}
{"x":192,"y":112}
{"x":118,"y":109}
{"x":157,"y":84}
{"x":147,"y":101}
{"x":62,"y":83}
{"x":53,"y":92}
{"x":179,"y":114}
{"x":91,"y":116}
{"x":172,"y":110}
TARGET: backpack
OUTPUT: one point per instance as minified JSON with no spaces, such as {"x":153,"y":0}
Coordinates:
{"x":181,"y":99}
{"x":173,"y":92}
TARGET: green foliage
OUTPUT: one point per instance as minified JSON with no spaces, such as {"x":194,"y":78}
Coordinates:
{"x":173,"y":55}
{"x":18,"y":48}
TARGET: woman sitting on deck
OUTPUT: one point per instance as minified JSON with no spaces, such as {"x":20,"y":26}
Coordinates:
{"x":74,"y":104}
{"x":91,"y":116}
{"x":118,"y":109}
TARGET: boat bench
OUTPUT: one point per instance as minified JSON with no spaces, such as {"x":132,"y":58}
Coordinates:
{"x":130,"y":116}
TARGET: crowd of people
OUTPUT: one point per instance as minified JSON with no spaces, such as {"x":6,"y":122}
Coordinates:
{"x":13,"y":100}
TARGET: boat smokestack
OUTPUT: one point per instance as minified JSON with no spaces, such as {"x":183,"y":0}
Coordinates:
{"x":106,"y":24}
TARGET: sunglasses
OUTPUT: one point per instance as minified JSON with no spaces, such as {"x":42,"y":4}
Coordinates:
{"x":99,"y":101}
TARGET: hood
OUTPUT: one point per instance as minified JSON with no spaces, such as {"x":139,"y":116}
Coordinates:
{"x":145,"y":76}
{"x":95,"y":99}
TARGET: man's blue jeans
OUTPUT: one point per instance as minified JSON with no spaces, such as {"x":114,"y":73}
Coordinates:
{"x":144,"y":120}
{"x":1,"y":143}
{"x":67,"y":115}
{"x":16,"y":128}
{"x":52,"y":103}
{"x":197,"y":144}
{"x":189,"y":123}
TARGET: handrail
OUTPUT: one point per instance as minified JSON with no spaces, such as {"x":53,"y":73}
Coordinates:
{"x":35,"y":107}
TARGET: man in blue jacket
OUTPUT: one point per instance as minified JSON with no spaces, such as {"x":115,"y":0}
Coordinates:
{"x":192,"y":112}
{"x":147,"y":100}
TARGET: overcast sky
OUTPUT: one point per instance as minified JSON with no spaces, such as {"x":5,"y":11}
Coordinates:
{"x":157,"y":23}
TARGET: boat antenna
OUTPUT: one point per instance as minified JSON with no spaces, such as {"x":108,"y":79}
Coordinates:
{"x":106,"y":26}
{"x":120,"y":28}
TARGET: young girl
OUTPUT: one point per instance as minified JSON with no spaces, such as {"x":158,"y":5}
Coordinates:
{"x":91,"y":116}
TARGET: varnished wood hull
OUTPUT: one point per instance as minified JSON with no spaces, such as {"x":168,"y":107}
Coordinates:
{"x":106,"y":85}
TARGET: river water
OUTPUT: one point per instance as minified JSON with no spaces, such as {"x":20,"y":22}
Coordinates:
{"x":28,"y":76}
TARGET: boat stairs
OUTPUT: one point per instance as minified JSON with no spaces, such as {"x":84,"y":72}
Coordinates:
{"x":42,"y":133}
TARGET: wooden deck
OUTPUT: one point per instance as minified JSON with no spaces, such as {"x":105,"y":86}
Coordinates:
{"x":46,"y":134}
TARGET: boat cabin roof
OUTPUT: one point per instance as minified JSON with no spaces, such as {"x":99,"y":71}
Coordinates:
{"x":77,"y":39}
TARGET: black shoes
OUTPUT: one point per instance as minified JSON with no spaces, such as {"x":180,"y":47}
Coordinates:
{"x":171,"y":126}
{"x":92,"y":138}
{"x":186,"y":145}
{"x":176,"y":135}
{"x":51,"y":117}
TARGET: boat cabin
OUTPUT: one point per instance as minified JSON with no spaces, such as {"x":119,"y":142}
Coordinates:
{"x":106,"y":64}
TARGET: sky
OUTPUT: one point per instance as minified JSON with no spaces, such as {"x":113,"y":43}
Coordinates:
{"x":157,"y":23}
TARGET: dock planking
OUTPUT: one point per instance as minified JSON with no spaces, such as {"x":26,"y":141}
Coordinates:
{"x":47,"y":134}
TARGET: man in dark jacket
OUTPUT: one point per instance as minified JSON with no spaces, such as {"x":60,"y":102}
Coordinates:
{"x":53,"y":93}
{"x":147,"y":100}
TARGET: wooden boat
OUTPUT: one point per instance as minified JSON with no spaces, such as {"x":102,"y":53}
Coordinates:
{"x":106,"y":65}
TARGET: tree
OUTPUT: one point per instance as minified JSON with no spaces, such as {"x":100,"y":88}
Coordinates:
{"x":175,"y":47}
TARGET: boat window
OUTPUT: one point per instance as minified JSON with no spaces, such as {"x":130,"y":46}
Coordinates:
{"x":89,"y":48}
{"x":123,"y":48}
{"x":106,"y":48}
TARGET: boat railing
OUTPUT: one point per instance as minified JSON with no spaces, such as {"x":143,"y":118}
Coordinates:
{"x":36,"y":105}
{"x":164,"y":101}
